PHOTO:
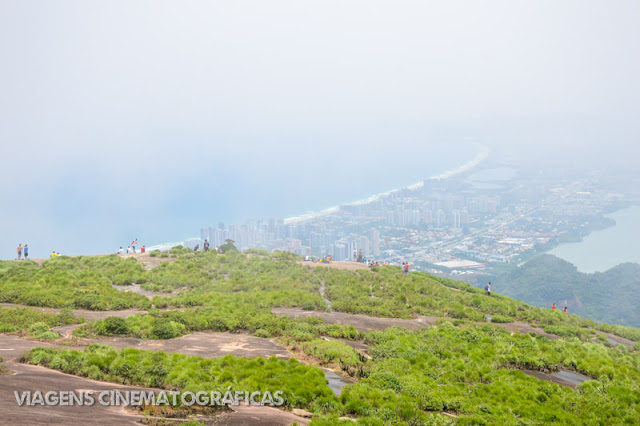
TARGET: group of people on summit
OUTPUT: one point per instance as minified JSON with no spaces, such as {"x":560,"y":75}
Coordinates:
{"x":23,"y":250}
{"x":132,"y":248}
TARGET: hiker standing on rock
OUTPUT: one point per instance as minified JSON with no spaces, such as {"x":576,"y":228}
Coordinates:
{"x":19,"y":250}
{"x":25,"y":250}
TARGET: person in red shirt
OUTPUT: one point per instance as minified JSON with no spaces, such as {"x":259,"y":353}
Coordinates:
{"x":554,"y":306}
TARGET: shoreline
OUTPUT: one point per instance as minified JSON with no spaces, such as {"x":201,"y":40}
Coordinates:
{"x":581,"y":240}
{"x":581,"y":268}
{"x":479,"y":158}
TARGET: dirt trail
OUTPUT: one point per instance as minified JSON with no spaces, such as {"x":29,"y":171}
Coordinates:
{"x":359,"y":322}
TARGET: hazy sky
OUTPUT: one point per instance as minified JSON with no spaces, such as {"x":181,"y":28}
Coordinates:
{"x":150,"y":119}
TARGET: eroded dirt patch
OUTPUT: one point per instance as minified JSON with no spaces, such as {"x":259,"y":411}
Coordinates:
{"x":204,"y":344}
{"x":359,"y":322}
{"x":523,"y":327}
{"x":137,"y":288}
{"x":147,"y":261}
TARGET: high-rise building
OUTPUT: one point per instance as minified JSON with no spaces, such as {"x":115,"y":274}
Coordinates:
{"x":491,"y":205}
{"x":455,"y":218}
{"x":340,"y":251}
{"x":321,"y":242}
{"x":221,"y":236}
{"x":428,"y":217}
{"x":464,"y":217}
{"x":375,"y":243}
{"x":391,"y":218}
{"x":234,"y":233}
{"x":414,"y":217}
{"x":441,"y":218}
{"x":364,"y":246}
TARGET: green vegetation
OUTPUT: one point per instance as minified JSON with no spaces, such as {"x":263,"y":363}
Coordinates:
{"x":501,"y":319}
{"x":609,"y":296}
{"x":236,"y":292}
{"x":229,"y":245}
{"x":465,"y":366}
{"x":472,"y":371}
{"x":73,"y":282}
{"x":335,"y":352}
{"x":263,"y":323}
{"x":40,"y":330}
{"x":36,"y":322}
{"x":302,"y":386}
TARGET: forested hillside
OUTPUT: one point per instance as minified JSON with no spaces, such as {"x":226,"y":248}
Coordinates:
{"x":612,"y":296}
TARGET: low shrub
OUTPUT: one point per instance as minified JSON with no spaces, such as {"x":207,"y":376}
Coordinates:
{"x":499,"y":319}
{"x":164,"y":328}
{"x":301,"y":385}
{"x":111,"y":326}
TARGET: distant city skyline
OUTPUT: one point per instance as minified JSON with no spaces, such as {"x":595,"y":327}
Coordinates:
{"x":493,"y":215}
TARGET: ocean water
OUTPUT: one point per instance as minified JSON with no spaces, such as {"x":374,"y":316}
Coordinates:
{"x":271,"y":182}
{"x":375,"y":174}
{"x":602,"y":250}
{"x":313,"y":180}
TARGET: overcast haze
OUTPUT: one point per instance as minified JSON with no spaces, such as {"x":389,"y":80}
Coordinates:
{"x":150,"y":119}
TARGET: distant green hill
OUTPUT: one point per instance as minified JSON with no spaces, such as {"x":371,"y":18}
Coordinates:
{"x":610,"y":296}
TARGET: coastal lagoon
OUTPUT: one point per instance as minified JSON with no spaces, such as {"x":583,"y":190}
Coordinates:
{"x":602,"y":250}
